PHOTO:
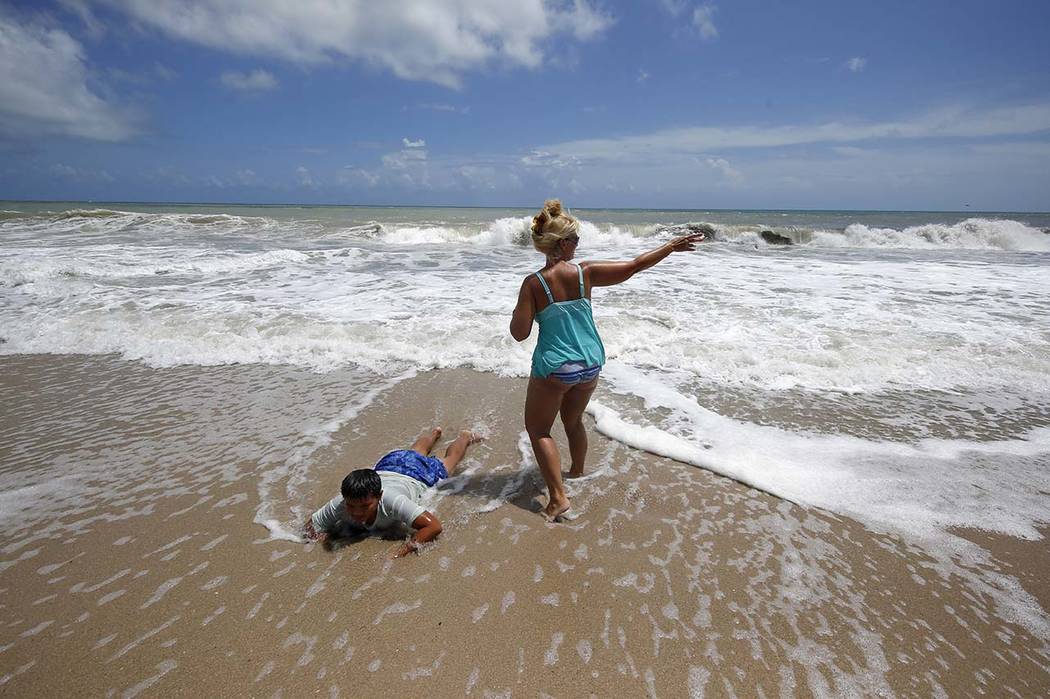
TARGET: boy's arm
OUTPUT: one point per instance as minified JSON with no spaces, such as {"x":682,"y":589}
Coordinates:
{"x":323,"y":521}
{"x":427,"y":528}
{"x":312,"y":534}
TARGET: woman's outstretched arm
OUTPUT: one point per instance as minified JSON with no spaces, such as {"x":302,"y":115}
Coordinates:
{"x":609,"y":273}
{"x":524,"y":313}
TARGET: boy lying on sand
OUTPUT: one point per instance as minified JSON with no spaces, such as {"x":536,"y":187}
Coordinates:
{"x":389,"y":493}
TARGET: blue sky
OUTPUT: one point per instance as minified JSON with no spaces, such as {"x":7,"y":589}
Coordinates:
{"x":669,"y":103}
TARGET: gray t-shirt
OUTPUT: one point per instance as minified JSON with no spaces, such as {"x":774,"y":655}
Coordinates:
{"x":399,"y":503}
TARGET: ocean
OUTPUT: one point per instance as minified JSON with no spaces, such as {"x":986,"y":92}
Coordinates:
{"x":893,"y":367}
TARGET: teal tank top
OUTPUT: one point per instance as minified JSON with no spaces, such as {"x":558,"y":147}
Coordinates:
{"x":567,"y":333}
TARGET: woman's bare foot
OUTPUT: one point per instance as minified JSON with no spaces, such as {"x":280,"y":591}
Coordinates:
{"x":471,"y":437}
{"x":574,"y":473}
{"x":556,"y":509}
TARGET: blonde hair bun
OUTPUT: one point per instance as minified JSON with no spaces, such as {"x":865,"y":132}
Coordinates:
{"x":551,"y":225}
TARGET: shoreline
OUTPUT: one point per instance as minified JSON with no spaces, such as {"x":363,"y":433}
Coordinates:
{"x":673,"y":580}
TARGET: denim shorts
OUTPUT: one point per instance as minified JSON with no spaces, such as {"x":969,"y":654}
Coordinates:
{"x":425,"y":469}
{"x":574,"y":372}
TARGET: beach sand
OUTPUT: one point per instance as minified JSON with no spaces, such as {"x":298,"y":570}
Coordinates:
{"x":672,"y":582}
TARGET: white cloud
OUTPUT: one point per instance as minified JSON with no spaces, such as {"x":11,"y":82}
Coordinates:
{"x":547,"y":159}
{"x":351,"y":176}
{"x":70,"y":172}
{"x":144,"y":76}
{"x":853,"y":151}
{"x":675,"y":7}
{"x":728,"y":171}
{"x":856,"y":64}
{"x":940,"y":159}
{"x":163,"y":72}
{"x":415,"y":39}
{"x":703,"y":22}
{"x":413,"y":169}
{"x":256,"y":81}
{"x":168,"y":175}
{"x":43,"y":87}
{"x":407,"y":167}
{"x":402,"y":159}
{"x":305,"y":179}
{"x":643,"y":75}
{"x":93,"y":26}
{"x":442,"y":107}
{"x":585,"y":21}
{"x":486,"y":177}
{"x":1028,"y":149}
{"x":953,"y":122}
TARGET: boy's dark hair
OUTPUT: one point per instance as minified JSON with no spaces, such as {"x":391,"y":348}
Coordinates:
{"x":362,"y":483}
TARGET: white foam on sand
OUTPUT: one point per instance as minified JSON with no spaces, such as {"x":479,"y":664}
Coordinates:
{"x":283,"y":484}
{"x":894,"y":486}
{"x":913,"y":489}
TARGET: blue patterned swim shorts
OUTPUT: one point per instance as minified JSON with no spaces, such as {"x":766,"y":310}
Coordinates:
{"x":425,"y":469}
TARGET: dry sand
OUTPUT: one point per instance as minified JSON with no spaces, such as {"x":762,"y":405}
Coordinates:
{"x":673,"y":582}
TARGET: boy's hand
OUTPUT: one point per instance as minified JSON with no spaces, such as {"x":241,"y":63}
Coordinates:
{"x":404,"y":549}
{"x":427,"y":527}
{"x":314,"y":535}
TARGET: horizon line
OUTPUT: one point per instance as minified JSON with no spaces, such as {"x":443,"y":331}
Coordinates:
{"x":528,"y":207}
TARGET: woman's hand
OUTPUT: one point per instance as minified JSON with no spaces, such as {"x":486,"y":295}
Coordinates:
{"x":686,"y":242}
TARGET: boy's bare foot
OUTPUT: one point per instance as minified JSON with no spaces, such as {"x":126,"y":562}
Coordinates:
{"x":426,"y":441}
{"x":455,"y":451}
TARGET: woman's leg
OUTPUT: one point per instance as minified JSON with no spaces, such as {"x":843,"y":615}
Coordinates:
{"x":424,"y":444}
{"x":572,"y":407}
{"x":455,"y":451}
{"x":542,"y":402}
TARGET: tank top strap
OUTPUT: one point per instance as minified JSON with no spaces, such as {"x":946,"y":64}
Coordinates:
{"x":546,"y":289}
{"x":580,"y":270}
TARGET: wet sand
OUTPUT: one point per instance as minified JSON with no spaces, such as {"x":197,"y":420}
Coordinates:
{"x":672,"y":582}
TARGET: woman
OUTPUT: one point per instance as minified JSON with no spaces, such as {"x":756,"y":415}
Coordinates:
{"x":569,"y":354}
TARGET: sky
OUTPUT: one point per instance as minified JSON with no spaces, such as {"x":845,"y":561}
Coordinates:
{"x":768,"y":104}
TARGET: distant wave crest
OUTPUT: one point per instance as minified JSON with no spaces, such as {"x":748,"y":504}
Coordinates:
{"x":971,"y":234}
{"x":102,"y":221}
